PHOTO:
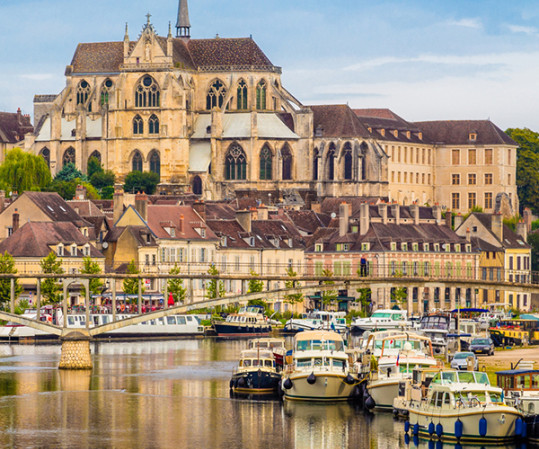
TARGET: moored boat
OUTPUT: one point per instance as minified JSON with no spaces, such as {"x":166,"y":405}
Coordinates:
{"x":257,"y":373}
{"x":250,"y":321}
{"x":382,"y":320}
{"x":273,"y":344}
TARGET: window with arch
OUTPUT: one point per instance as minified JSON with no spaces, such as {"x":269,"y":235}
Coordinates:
{"x":155,"y":162}
{"x":235,"y":163}
{"x":138,"y":125}
{"x":95,"y":154}
{"x":286,"y":159}
{"x":147,"y":93}
{"x":83,"y":91}
{"x":261,"y":95}
{"x":266,"y":163}
{"x":315,"y":164}
{"x":242,"y":95}
{"x":106,"y":90}
{"x":216,"y":95}
{"x":153,"y":124}
{"x":69,"y":156}
{"x":364,"y":150}
{"x":347,"y":161}
{"x":330,"y":161}
{"x":136,"y":163}
{"x":197,"y":185}
{"x":45,"y":153}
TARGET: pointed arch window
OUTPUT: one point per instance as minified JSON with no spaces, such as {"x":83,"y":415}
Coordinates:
{"x":45,"y":153}
{"x":216,"y":95}
{"x":136,"y":163}
{"x":347,"y":161}
{"x":235,"y":163}
{"x":286,"y":158}
{"x":331,"y":163}
{"x":364,"y":150}
{"x":153,"y":124}
{"x":97,"y":155}
{"x":83,"y":91}
{"x":69,"y":156}
{"x":242,"y":95}
{"x":138,"y":125}
{"x":155,"y":162}
{"x":261,"y":95}
{"x":106,"y":90}
{"x":266,"y":163}
{"x":315,"y":164}
{"x":147,"y":93}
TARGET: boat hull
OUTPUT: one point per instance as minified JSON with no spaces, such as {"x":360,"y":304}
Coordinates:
{"x":327,"y":387}
{"x":255,"y":382}
{"x":225,"y":329}
{"x":384,"y":392}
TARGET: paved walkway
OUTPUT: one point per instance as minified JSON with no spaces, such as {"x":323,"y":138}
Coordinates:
{"x":503,"y":359}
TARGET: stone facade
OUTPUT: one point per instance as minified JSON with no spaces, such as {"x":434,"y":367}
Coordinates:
{"x":76,"y":355}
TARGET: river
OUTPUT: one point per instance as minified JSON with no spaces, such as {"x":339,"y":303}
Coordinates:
{"x":168,"y":394}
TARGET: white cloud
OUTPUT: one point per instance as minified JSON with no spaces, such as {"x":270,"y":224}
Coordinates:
{"x":522,"y":29}
{"x":38,"y":76}
{"x":466,"y":23}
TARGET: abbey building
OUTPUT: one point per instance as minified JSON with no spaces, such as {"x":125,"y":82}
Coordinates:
{"x":212,"y":117}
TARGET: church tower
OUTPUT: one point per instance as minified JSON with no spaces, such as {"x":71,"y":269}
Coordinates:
{"x":183,"y":27}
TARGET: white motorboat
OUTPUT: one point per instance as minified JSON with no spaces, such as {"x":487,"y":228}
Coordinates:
{"x":334,"y":321}
{"x":384,"y":319}
{"x":319,"y":369}
{"x":250,"y":321}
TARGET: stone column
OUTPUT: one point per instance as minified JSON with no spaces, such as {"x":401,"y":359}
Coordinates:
{"x":76,"y":352}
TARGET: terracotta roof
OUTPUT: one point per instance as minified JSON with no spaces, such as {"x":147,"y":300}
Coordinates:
{"x":142,"y":235}
{"x":457,"y":132}
{"x":55,"y":207}
{"x":307,"y":220}
{"x":98,"y":57}
{"x":86,"y":208}
{"x":13,"y":126}
{"x":34,"y":239}
{"x":162,"y":214}
{"x":337,"y":120}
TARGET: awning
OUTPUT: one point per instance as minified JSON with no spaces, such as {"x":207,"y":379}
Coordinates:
{"x":199,"y":156}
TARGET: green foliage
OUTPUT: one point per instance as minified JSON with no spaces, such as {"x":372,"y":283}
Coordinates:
{"x":255,"y":285}
{"x":131,"y":284}
{"x":214,"y":288}
{"x":329,"y":296}
{"x":512,"y":222}
{"x":23,"y":171}
{"x":7,"y":266}
{"x":67,"y":189}
{"x":141,"y":182}
{"x":399,"y":295}
{"x":535,"y":225}
{"x":94,"y":166}
{"x":294,"y":298}
{"x":533,"y":241}
{"x":102,"y":180}
{"x":175,"y":286}
{"x":527,"y":166}
{"x":69,"y":172}
{"x":364,"y":299}
{"x":91,"y":267}
{"x":476,"y":208}
{"x":21,"y":306}
{"x":51,"y":289}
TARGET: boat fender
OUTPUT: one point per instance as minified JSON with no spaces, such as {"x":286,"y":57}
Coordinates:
{"x":287,"y":384}
{"x":483,"y":427}
{"x":459,"y":427}
{"x":524,"y":433}
{"x":415,"y":430}
{"x":349,"y":379}
{"x":415,"y":439}
{"x":439,"y":444}
{"x":231,"y":383}
{"x":439,"y":430}
{"x":458,"y":446}
{"x":431,"y":444}
{"x":395,"y":413}
{"x":311,"y":379}
{"x":518,"y":427}
{"x":369,"y":403}
{"x":406,"y":439}
{"x":406,"y":426}
{"x":357,"y":392}
{"x":241,"y":382}
{"x":431,"y":428}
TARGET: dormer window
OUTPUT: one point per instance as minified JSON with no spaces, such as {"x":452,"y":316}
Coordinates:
{"x":223,"y":241}
{"x":172,"y":232}
{"x":472,"y":136}
{"x":415,"y":246}
{"x":395,"y":133}
{"x":393,"y":246}
{"x":468,"y":248}
{"x":447,"y":247}
{"x":426,"y":247}
{"x":365,"y":246}
{"x":408,"y":134}
{"x":86,"y":250}
{"x":60,"y":249}
{"x":383,"y":132}
{"x":457,"y":248}
{"x":73,"y":250}
{"x":252,"y":241}
{"x":318,"y":247}
{"x":404,"y":246}
{"x":436,"y":247}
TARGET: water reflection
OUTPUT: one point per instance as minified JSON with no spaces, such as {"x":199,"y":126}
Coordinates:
{"x":420,"y":443}
{"x":169,"y":394}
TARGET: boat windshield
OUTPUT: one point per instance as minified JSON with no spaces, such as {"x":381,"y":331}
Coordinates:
{"x":319,"y":345}
{"x":381,"y":315}
{"x":450,"y":377}
{"x":404,"y":344}
{"x":318,"y":362}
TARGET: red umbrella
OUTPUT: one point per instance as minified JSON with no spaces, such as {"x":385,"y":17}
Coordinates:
{"x":170,"y":299}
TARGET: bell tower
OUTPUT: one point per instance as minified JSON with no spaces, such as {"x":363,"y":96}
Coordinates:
{"x":183,"y":27}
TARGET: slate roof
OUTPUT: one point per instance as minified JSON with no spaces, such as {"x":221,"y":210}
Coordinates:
{"x":35,"y":239}
{"x":338,"y":120}
{"x":13,"y":126}
{"x":141,"y":234}
{"x":457,"y":132}
{"x":378,"y":119}
{"x":510,"y":238}
{"x":307,"y":221}
{"x":162,"y":216}
{"x":55,"y":207}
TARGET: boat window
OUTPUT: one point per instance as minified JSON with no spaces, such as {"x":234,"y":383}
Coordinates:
{"x":396,"y":317}
{"x":481,"y":378}
{"x":171,"y":320}
{"x":144,"y":322}
{"x":477,"y":396}
{"x":523,"y":381}
{"x":448,"y":378}
{"x":105,"y":319}
{"x":434,"y":398}
{"x":268,"y":363}
{"x":83,"y":321}
{"x":406,"y":368}
{"x":531,"y":408}
{"x":153,"y":322}
{"x":256,"y":362}
{"x":535,"y":381}
{"x":495,"y":397}
{"x":380,"y":315}
{"x":189,"y":318}
{"x":447,"y":398}
{"x":466,"y":377}
{"x":96,"y":320}
{"x":70,"y":321}
{"x":246,"y":363}
{"x":439,"y":399}
{"x":338,"y":363}
{"x":180,"y":319}
{"x":303,"y":362}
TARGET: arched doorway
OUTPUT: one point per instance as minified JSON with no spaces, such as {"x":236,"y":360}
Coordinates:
{"x":197,"y":185}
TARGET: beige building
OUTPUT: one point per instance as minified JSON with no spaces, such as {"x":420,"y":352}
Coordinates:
{"x":13,"y":129}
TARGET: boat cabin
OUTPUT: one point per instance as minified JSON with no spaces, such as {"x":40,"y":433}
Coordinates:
{"x":518,"y":379}
{"x":318,"y":341}
{"x":253,"y":359}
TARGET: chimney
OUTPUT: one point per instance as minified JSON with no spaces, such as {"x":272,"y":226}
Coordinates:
{"x":200,"y":208}
{"x":80,"y":193}
{"x":496,"y":226}
{"x":182,"y":224}
{"x":344,"y":217}
{"x":448,"y":219}
{"x":118,"y":204}
{"x":526,"y":214}
{"x":522,"y":230}
{"x":437,"y":212}
{"x":262,"y":213}
{"x":414,"y":212}
{"x":141,"y":205}
{"x":458,"y":220}
{"x":243,"y":217}
{"x":382,"y":210}
{"x":468,"y":235}
{"x":364,"y":218}
{"x":19,"y":116}
{"x":395,"y":211}
{"x":2,"y":200}
{"x":14,"y":195}
{"x":316,"y":207}
{"x":15,"y":222}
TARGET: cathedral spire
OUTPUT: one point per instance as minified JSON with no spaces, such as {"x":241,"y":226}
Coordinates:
{"x":183,"y":27}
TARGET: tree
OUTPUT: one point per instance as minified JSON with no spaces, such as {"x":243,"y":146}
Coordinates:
{"x":399,"y":295}
{"x":69,"y":172}
{"x":67,"y":189}
{"x":131,"y":284}
{"x":175,"y":286}
{"x":365,"y":294}
{"x":94,"y":166}
{"x":293,"y":298}
{"x":137,"y":181}
{"x":255,"y":285}
{"x":23,"y":171}
{"x":90,"y":266}
{"x":214,"y":288}
{"x":7,"y":266}
{"x":328,"y":296}
{"x":50,"y":287}
{"x":102,"y":180}
{"x":533,"y":240}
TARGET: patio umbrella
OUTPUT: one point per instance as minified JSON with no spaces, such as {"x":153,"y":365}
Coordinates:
{"x":170,"y":299}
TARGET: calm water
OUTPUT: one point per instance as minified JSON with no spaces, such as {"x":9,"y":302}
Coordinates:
{"x":171,"y":394}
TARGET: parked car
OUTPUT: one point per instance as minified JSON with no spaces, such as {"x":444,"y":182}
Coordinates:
{"x":482,"y":346}
{"x":460,"y":360}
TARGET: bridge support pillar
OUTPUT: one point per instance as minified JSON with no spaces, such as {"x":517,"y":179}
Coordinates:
{"x":76,"y":353}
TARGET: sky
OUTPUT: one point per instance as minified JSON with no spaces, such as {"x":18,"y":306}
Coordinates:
{"x":423,"y":59}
